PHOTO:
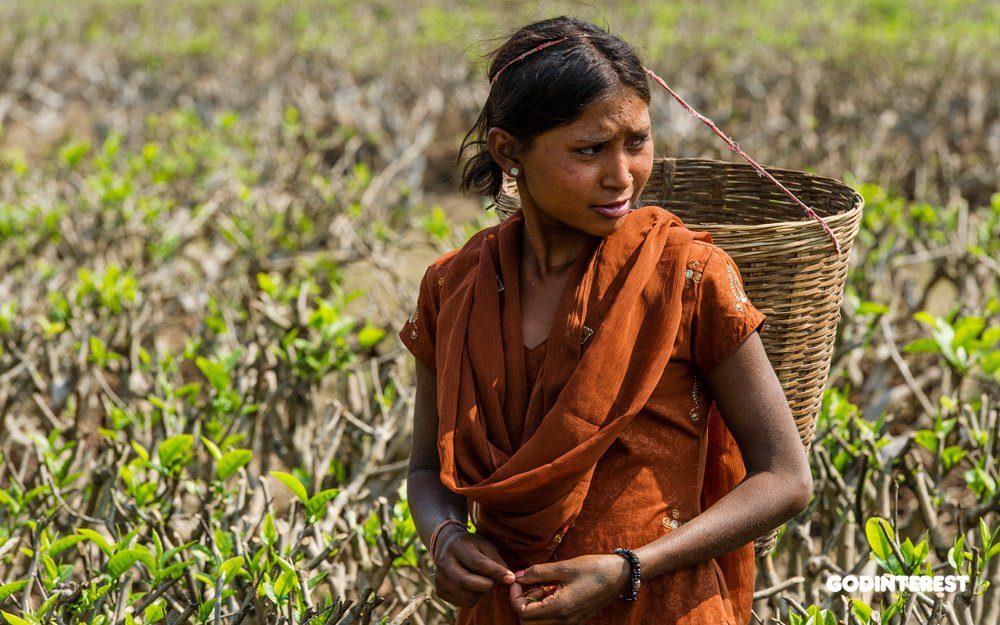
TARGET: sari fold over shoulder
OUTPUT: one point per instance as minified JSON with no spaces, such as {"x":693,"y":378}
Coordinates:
{"x":527,"y":457}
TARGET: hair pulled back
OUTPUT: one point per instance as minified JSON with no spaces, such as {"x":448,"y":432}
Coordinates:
{"x":547,"y":89}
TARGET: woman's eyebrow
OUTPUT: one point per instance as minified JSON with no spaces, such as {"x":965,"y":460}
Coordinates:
{"x":606,"y":138}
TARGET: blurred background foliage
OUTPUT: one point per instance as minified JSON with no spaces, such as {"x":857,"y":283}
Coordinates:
{"x":214,"y":216}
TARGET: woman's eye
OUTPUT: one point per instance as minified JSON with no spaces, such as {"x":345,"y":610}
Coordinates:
{"x":638,"y":142}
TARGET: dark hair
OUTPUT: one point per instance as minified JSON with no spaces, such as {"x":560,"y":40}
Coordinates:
{"x":548,"y":88}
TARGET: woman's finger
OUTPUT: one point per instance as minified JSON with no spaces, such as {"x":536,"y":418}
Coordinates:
{"x":467,"y":580}
{"x":534,"y":591}
{"x":546,"y":573}
{"x":490,"y":551}
{"x":538,"y":593}
{"x":452,"y":591}
{"x":535,"y":604}
{"x":478,"y":562}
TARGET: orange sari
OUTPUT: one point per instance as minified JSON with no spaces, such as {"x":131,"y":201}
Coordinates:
{"x":542,"y":460}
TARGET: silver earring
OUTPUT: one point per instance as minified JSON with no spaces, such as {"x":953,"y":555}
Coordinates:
{"x":514,"y":171}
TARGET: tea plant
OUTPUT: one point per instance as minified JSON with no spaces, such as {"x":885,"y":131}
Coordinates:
{"x":213,"y":218}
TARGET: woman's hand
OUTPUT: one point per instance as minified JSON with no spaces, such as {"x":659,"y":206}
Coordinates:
{"x":466,"y":566}
{"x":571,"y":591}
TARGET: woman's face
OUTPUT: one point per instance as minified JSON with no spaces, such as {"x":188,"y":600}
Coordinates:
{"x":603,"y":157}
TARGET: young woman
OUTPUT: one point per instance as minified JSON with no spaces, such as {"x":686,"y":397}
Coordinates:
{"x":586,"y":369}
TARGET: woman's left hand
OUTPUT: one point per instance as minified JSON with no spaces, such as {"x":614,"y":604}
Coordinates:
{"x":569,"y":592}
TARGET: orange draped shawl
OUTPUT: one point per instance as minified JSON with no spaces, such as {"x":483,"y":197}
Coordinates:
{"x":526,"y":456}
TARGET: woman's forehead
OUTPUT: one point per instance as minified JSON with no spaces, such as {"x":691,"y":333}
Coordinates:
{"x":604,"y":120}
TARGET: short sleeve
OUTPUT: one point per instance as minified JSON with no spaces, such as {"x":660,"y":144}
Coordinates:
{"x":417,"y":333}
{"x":723,"y":315}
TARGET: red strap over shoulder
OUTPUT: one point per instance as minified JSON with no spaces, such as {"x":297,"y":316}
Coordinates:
{"x":736,"y":148}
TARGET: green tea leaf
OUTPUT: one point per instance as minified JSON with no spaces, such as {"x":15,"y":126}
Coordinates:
{"x":315,"y":505}
{"x":48,"y":603}
{"x":956,"y":555}
{"x":316,"y":579}
{"x":171,"y":451}
{"x":992,"y":551}
{"x":153,"y":612}
{"x":65,"y":543}
{"x":952,"y":455}
{"x":212,"y":448}
{"x":232,"y":461}
{"x":293,"y":485}
{"x":123,"y":560}
{"x":267,"y":588}
{"x":288,"y":568}
{"x":9,"y":589}
{"x":97,"y":539}
{"x":175,"y":570}
{"x":369,"y":336}
{"x":140,"y":450}
{"x":872,"y":308}
{"x":269,"y":534}
{"x":861,"y":610}
{"x":14,"y":620}
{"x":266,"y":284}
{"x":285,"y":584}
{"x":230,"y":568}
{"x":968,"y":328}
{"x":876,"y":539}
{"x":10,"y":502}
{"x":927,"y":439}
{"x":922,"y":345}
{"x":214,"y":372}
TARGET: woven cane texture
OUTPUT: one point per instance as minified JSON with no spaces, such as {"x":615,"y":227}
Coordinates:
{"x":790,"y":268}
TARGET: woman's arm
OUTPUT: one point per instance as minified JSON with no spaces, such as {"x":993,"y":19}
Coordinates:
{"x":430,"y":501}
{"x":467,"y":565}
{"x":778,"y":484}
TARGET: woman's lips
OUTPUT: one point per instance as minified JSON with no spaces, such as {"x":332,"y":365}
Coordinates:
{"x":614,"y":210}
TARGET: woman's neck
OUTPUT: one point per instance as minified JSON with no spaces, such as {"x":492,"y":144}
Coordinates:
{"x":547,"y":251}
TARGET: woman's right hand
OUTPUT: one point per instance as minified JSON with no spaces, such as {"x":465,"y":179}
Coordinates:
{"x":466,"y":566}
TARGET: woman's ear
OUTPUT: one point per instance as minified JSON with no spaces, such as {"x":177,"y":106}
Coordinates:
{"x":503,"y":147}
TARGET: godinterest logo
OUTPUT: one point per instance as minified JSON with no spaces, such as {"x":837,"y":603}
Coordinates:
{"x":897,"y":583}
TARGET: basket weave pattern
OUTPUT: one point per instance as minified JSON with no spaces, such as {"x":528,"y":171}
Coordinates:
{"x":790,"y":268}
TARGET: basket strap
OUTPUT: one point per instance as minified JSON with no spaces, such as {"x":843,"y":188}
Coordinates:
{"x":736,"y":148}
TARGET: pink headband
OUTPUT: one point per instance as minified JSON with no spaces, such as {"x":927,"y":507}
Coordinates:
{"x":732,"y":145}
{"x":521,"y":56}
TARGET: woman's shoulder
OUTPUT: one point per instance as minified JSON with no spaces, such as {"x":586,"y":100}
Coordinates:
{"x":702,"y":248}
{"x":712,"y":264}
{"x":703,"y":251}
{"x":461,"y":258}
{"x":440,"y":265}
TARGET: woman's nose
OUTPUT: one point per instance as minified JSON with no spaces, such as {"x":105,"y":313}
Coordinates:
{"x":619,"y":175}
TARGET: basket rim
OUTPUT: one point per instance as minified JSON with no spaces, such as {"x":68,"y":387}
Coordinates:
{"x":714,"y":162}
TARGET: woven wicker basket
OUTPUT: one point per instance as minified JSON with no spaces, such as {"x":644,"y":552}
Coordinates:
{"x":790,"y":268}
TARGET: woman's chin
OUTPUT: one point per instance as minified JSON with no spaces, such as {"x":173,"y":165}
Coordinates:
{"x":603,"y":226}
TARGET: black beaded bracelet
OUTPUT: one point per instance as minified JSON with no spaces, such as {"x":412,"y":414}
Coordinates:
{"x":633,"y":561}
